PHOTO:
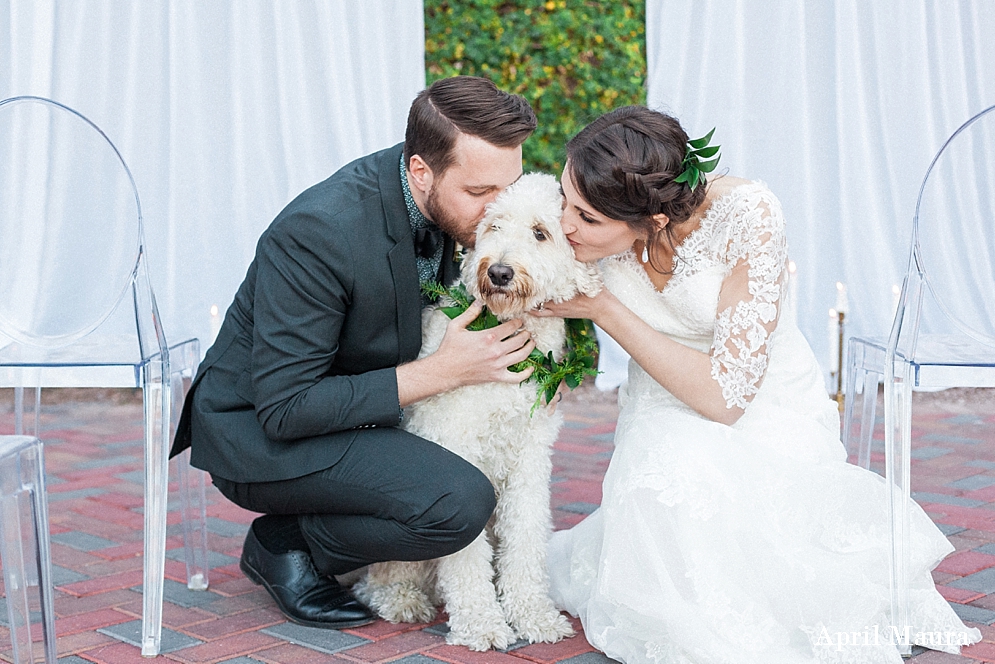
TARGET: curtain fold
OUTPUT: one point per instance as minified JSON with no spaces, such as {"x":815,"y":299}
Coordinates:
{"x":839,"y":107}
{"x":224,"y":111}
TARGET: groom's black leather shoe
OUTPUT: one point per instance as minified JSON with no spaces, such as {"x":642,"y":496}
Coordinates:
{"x":303,"y":595}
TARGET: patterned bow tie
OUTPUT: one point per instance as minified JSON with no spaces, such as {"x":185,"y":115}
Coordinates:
{"x":428,"y":239}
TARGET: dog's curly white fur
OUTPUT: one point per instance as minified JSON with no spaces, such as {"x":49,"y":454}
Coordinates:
{"x":495,"y":594}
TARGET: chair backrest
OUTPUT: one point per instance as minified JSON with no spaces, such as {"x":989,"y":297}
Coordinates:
{"x":953,"y":247}
{"x":71,"y":239}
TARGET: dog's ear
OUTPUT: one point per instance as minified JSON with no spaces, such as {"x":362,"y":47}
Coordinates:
{"x":468,"y":269}
{"x":588,"y":278}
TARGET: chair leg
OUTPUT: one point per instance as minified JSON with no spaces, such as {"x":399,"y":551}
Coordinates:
{"x":156,"y":402}
{"x":39,"y":503}
{"x":19,"y":411}
{"x":898,"y":472}
{"x":24,"y":547}
{"x":854,"y":354}
{"x":183,"y":360}
{"x":868,"y":413}
{"x":863,"y":371}
{"x":194,"y":505}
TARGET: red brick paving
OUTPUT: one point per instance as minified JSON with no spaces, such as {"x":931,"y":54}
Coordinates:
{"x":227,"y":647}
{"x":396,"y":645}
{"x":99,"y":586}
{"x":963,"y":563}
{"x":289,"y":653}
{"x":959,"y":595}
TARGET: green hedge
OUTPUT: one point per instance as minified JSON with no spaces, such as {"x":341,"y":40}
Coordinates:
{"x":572,"y":59}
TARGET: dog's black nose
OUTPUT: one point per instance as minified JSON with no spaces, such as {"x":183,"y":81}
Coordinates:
{"x":500,"y":275}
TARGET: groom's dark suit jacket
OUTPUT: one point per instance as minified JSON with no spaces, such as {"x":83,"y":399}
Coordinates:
{"x":307,"y":352}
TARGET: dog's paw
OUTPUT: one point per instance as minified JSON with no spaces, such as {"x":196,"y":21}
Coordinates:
{"x":497,"y":635}
{"x":398,"y":602}
{"x":545,"y":627}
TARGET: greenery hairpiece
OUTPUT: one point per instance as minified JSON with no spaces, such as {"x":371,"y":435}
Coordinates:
{"x":694,"y":165}
{"x":577,"y":363}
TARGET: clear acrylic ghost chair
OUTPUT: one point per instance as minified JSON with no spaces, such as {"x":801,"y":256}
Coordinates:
{"x":77,"y":308}
{"x":24,"y":552}
{"x":943,"y":334}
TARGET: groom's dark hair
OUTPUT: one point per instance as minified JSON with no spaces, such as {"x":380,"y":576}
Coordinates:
{"x":468,"y":105}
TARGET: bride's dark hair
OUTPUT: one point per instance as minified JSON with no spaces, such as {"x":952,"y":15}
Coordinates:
{"x":624,"y":164}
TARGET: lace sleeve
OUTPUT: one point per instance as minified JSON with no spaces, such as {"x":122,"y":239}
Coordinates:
{"x":749,"y":300}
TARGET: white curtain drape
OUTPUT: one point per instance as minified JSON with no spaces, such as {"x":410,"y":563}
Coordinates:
{"x":224,"y":112}
{"x":839,"y":106}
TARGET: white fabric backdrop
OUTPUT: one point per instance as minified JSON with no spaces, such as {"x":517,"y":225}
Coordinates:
{"x":224,"y":111}
{"x":839,"y":106}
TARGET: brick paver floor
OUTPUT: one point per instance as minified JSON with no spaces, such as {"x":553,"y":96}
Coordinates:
{"x":94,"y":464}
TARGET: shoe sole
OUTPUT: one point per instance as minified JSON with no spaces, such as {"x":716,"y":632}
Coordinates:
{"x":258,"y":579}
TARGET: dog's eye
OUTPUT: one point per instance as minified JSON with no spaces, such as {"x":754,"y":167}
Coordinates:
{"x":539,"y":234}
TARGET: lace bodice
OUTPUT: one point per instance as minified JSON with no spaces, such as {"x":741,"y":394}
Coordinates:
{"x":727,"y":287}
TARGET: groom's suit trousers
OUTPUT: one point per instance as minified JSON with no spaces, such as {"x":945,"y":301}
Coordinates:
{"x":392,"y":496}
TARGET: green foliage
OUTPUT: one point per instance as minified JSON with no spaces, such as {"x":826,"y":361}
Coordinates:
{"x":579,"y":359}
{"x":694,"y":164}
{"x":572,"y":60}
{"x":461,"y":301}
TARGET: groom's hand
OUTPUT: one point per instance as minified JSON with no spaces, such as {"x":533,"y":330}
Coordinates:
{"x":466,"y":357}
{"x":484,"y":356}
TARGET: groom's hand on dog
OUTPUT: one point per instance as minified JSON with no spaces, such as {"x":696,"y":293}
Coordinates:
{"x":484,"y":356}
{"x":466,"y":357}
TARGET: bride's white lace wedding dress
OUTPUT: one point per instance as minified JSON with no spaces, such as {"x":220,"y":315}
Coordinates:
{"x":752,"y":543}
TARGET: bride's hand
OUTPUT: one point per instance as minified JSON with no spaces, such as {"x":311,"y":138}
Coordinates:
{"x":581,"y":306}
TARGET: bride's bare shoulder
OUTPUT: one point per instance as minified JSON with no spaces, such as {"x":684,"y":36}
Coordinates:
{"x":725,"y":183}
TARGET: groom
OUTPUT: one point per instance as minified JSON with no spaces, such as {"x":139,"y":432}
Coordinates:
{"x":295,"y":410}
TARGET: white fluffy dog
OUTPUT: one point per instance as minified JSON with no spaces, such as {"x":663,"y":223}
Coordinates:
{"x":493,"y":594}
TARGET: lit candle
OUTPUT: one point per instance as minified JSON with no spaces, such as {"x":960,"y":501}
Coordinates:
{"x":834,"y":341}
{"x":215,"y":323}
{"x":842,"y":302}
{"x":896,"y":296}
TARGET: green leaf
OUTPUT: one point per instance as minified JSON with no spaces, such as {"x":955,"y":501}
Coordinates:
{"x":708,"y":166}
{"x":572,"y":381}
{"x":433,"y":289}
{"x":694,"y":179}
{"x":683,"y":177}
{"x":703,"y":141}
{"x":705,"y":153}
{"x":453,"y":311}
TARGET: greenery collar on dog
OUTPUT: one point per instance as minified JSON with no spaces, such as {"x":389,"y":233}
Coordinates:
{"x":578,"y":361}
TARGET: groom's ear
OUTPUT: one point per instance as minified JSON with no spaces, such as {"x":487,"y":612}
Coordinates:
{"x":421,"y":175}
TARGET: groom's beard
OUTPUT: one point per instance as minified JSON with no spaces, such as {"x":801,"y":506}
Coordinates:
{"x":447,"y":222}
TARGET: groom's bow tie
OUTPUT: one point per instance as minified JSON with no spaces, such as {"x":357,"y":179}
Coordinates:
{"x":428,"y":240}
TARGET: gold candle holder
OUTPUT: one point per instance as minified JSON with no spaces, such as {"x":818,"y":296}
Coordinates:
{"x":840,"y":398}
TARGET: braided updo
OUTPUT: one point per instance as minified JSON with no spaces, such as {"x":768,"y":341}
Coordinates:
{"x":624,"y":164}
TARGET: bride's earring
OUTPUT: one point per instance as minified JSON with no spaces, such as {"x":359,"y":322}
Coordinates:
{"x":646,"y":252}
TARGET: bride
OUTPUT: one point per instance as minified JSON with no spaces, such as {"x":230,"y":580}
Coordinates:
{"x":732,"y":529}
